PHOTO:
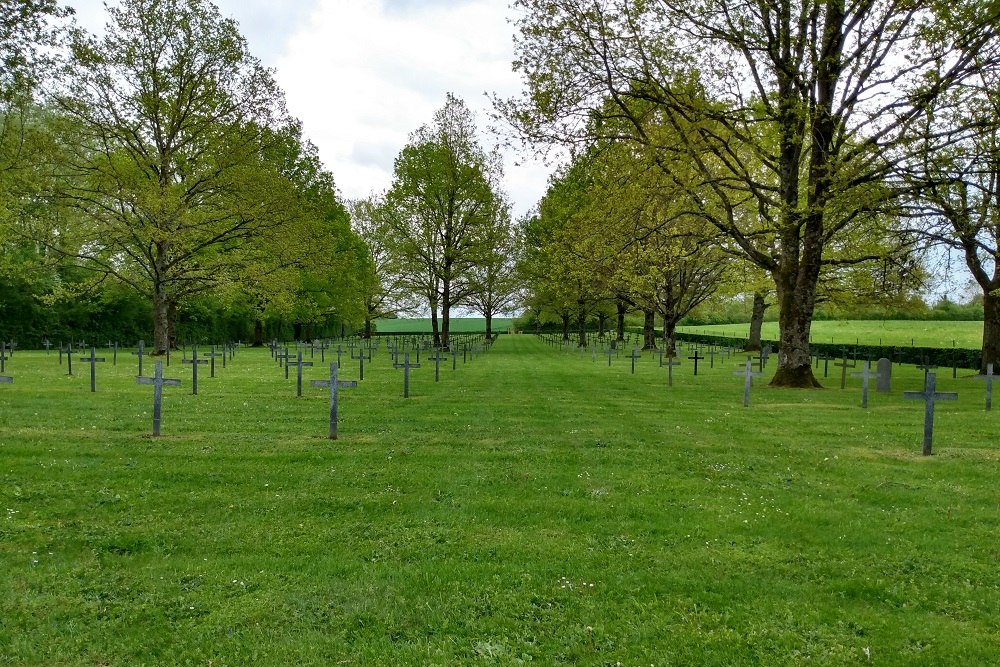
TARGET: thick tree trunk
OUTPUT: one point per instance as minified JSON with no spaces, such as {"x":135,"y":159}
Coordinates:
{"x":797,"y":298}
{"x":161,"y":320}
{"x":489,"y":325}
{"x":172,"y":324}
{"x":434,"y":326}
{"x":622,"y":309}
{"x":565,"y":325}
{"x":649,"y":329}
{"x":445,"y":314}
{"x":991,"y":331}
{"x":297,"y":331}
{"x":368,"y":327}
{"x":602,"y":321}
{"x":756,"y":321}
{"x":670,"y":336}
{"x":258,"y":332}
{"x":581,"y":323}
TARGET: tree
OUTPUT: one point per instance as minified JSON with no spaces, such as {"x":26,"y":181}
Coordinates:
{"x":444,"y":198}
{"x":494,"y":285}
{"x":795,"y":109}
{"x":956,"y":184}
{"x":168,"y":174}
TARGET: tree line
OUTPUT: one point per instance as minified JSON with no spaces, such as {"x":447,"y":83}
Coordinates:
{"x":152,"y":176}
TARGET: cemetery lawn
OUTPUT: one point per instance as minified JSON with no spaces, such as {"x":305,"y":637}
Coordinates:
{"x":921,"y":333}
{"x":532,"y":507}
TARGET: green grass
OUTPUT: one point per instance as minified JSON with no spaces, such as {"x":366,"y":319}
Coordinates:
{"x":456,"y":324}
{"x":873,"y":332}
{"x":531,"y":507}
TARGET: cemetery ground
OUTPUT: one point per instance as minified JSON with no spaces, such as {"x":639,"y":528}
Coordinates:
{"x":533,"y":506}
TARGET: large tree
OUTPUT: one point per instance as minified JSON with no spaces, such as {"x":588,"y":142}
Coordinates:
{"x":445,"y":195}
{"x":794,"y":108}
{"x":173,"y":141}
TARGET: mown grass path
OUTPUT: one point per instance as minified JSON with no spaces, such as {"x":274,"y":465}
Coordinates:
{"x":531,"y":507}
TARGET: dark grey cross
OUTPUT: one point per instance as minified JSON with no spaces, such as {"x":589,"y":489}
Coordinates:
{"x":454,"y":359}
{"x":361,"y":358}
{"x":406,"y":366}
{"x":211,"y":356}
{"x":158,"y":382}
{"x":670,"y":363}
{"x":636,"y":354}
{"x":93,"y":359}
{"x":610,"y":352}
{"x":711,"y":356}
{"x":340,"y":351}
{"x":989,"y":385}
{"x":696,"y":358}
{"x":334,"y":384}
{"x":865,"y":376}
{"x":3,"y":357}
{"x":69,"y":359}
{"x":114,"y":353}
{"x":748,"y":376}
{"x":843,"y":369}
{"x":438,"y":357}
{"x":298,"y":371}
{"x":283,"y":358}
{"x":141,"y":353}
{"x":930,"y":396}
{"x":926,"y":367}
{"x":195,"y":362}
{"x":47,"y":344}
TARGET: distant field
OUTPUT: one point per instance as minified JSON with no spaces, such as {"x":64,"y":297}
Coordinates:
{"x":458,"y":325}
{"x":872,"y":332}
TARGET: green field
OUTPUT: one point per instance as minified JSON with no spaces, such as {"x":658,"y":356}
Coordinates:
{"x":457,"y":324}
{"x":873,"y":332}
{"x":531,"y":507}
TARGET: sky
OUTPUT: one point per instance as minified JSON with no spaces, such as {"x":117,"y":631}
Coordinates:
{"x":362,"y":75}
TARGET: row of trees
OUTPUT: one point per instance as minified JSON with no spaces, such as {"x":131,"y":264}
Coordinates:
{"x":160,"y":157}
{"x":441,"y":236}
{"x":800,"y":137}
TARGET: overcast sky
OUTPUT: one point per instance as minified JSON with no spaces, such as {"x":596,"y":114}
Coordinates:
{"x":363,"y":74}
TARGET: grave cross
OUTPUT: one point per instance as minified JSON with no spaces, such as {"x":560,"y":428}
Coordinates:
{"x":195,"y":362}
{"x":69,"y":359}
{"x":3,"y":357}
{"x":299,"y":364}
{"x":865,"y":375}
{"x":636,"y":354}
{"x":926,"y":367}
{"x":696,"y":358}
{"x":211,"y":356}
{"x":438,"y":357}
{"x":93,"y":359}
{"x":610,"y":352}
{"x":334,"y":384}
{"x":748,"y":375}
{"x":843,"y":368}
{"x":140,"y":353}
{"x":930,"y":397}
{"x":47,"y":344}
{"x":158,"y":382}
{"x":406,"y":366}
{"x":283,"y":356}
{"x":989,"y":385}
{"x":671,"y":362}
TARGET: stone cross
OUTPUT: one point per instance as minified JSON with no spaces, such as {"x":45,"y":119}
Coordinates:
{"x":989,"y":385}
{"x":926,"y":367}
{"x":47,"y":344}
{"x":670,"y":363}
{"x":748,"y":375}
{"x":93,"y":359}
{"x":636,"y":354}
{"x":3,"y":357}
{"x":69,"y":359}
{"x":158,"y":382}
{"x":843,"y":368}
{"x":195,"y":362}
{"x":298,"y":371}
{"x":283,"y":356}
{"x":141,"y":353}
{"x":611,"y":351}
{"x":929,"y":396}
{"x":438,"y":357}
{"x":211,"y":356}
{"x":865,"y":375}
{"x":696,"y":358}
{"x":406,"y":366}
{"x":334,"y":384}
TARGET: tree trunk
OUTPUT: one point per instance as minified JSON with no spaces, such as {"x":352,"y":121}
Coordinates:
{"x":172,"y":324}
{"x":797,"y":298}
{"x":297,"y":331}
{"x":756,"y":321}
{"x":649,"y":329}
{"x":581,"y":322}
{"x":258,"y":332}
{"x":602,"y":321}
{"x":434,"y":326}
{"x":670,"y":336}
{"x":489,"y":324}
{"x":368,"y":327}
{"x":991,"y":331}
{"x":161,"y":320}
{"x":445,"y":313}
{"x":565,"y":325}
{"x":622,"y":308}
